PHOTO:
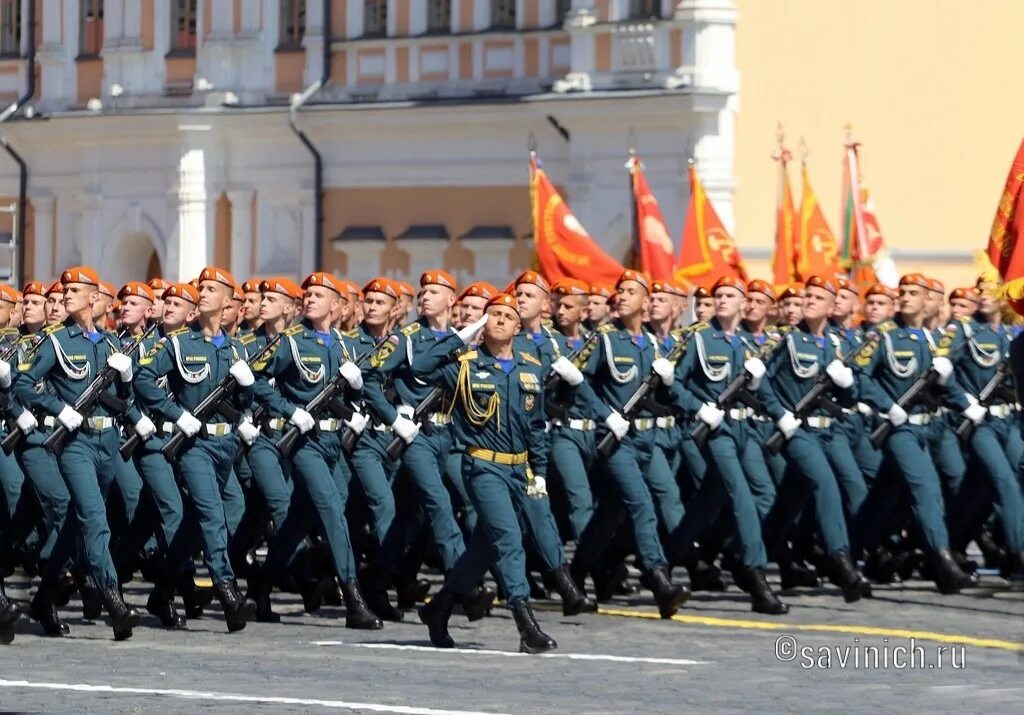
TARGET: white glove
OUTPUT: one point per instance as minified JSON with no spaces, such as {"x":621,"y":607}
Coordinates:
{"x":303,"y":420}
{"x":788,"y":424}
{"x":405,"y":428}
{"x":665,"y":370}
{"x":865,"y":409}
{"x":618,"y":425}
{"x":5,"y":374}
{"x":188,"y":424}
{"x":145,"y":428}
{"x":71,"y":419}
{"x":567,"y":371}
{"x":122,"y":365}
{"x":469,"y":332}
{"x":975,"y":413}
{"x":756,"y":369}
{"x":897,"y":415}
{"x":358,"y":422}
{"x":26,"y":422}
{"x":944,"y":367}
{"x":537,"y":487}
{"x":248,"y":432}
{"x":840,"y":374}
{"x":710,"y":415}
{"x":242,"y":374}
{"x":352,"y":374}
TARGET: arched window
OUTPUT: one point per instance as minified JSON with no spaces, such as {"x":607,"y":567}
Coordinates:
{"x":439,"y":16}
{"x":293,"y":23}
{"x":503,"y":14}
{"x":183,"y":25}
{"x":90,"y":27}
{"x":375,"y":18}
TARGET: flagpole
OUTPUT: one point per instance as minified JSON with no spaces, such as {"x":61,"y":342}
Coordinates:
{"x":851,"y":155}
{"x":782,"y":156}
{"x":634,"y":223}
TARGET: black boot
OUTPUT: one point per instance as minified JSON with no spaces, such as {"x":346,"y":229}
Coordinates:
{"x":237,"y":610}
{"x":416,"y":591}
{"x":375,"y":589}
{"x":610,"y":582}
{"x":477,"y":603}
{"x":9,"y":616}
{"x":797,"y":575}
{"x":762,"y":599}
{"x":574,"y":600}
{"x":995,"y":555}
{"x":357,"y":614}
{"x":161,"y":604}
{"x":92,"y":601}
{"x":1014,"y":569}
{"x":669,"y":596}
{"x":260,"y":587}
{"x":193,"y":597}
{"x":313,"y":591}
{"x":123,"y":618}
{"x":705,"y":577}
{"x":537,"y":590}
{"x":531,"y":638}
{"x":435,"y":614}
{"x":880,"y":566}
{"x":948,"y":576}
{"x":844,"y":575}
{"x":44,"y":610}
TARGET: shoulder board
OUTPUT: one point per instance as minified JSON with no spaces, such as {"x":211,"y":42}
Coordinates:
{"x":885,"y":326}
{"x":694,"y":327}
{"x":51,"y":329}
{"x":529,"y":358}
{"x":471,"y":355}
{"x":547,"y":323}
{"x":246,"y":338}
{"x":411,"y":329}
{"x":606,"y":328}
{"x":354,"y":333}
{"x":184,"y":330}
{"x":294,"y":330}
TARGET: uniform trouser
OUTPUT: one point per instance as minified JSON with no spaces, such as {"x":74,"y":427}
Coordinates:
{"x":694,"y":467}
{"x":163,"y":497}
{"x":204,"y":465}
{"x":809,"y":470}
{"x":839,"y":452}
{"x":267,"y":474}
{"x":233,"y":497}
{"x":947,"y":455}
{"x":42,"y":471}
{"x":457,"y":482}
{"x":87,"y":465}
{"x":423,"y":463}
{"x":376,"y":471}
{"x":12,"y":483}
{"x":573,"y":453}
{"x":764,"y":471}
{"x":631,"y":458}
{"x":907,"y":450}
{"x":857,"y":429}
{"x":498,"y":493}
{"x":996,"y":446}
{"x":661,"y":480}
{"x":728,"y":456}
{"x":122,"y":513}
{"x":318,"y":499}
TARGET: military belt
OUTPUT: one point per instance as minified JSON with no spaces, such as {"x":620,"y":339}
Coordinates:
{"x":439,"y":419}
{"x":581,"y":425}
{"x":1001,"y":411}
{"x":740,"y":413}
{"x":820,"y":422}
{"x":217,"y":429}
{"x":99,"y":424}
{"x":643,"y":424}
{"x":665,"y":422}
{"x":489,"y":455}
{"x":331,"y":425}
{"x":921,"y":418}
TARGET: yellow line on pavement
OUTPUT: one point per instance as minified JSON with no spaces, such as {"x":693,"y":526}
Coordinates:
{"x":823,"y":628}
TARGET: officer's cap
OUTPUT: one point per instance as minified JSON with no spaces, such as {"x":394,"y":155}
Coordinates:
{"x":437,"y":277}
{"x":759,"y":286}
{"x":823,"y":283}
{"x":480,"y":289}
{"x":185,"y":291}
{"x":136,"y":288}
{"x":218,"y":275}
{"x":635,"y":276}
{"x":80,"y":274}
{"x":383,"y":285}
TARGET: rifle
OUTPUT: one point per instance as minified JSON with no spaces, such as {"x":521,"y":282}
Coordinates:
{"x":817,"y":396}
{"x":733,"y":392}
{"x":95,"y":392}
{"x":907,"y":399}
{"x":647,"y":387}
{"x":15,"y":435}
{"x":212,"y":402}
{"x":965,"y":430}
{"x":327,"y":398}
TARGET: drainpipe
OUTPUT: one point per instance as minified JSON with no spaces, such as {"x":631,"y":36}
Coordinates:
{"x":318,"y":163}
{"x":30,"y":92}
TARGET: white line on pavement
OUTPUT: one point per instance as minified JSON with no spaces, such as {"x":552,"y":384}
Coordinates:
{"x":509,"y":654}
{"x":235,"y":697}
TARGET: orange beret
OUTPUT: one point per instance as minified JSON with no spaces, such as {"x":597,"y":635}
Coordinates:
{"x":793,"y":290}
{"x":324,"y":280}
{"x":158,"y":285}
{"x":437,"y":277}
{"x":663,"y":286}
{"x":405,"y":288}
{"x":601,"y":290}
{"x":55,"y":287}
{"x":108,"y":289}
{"x":970,"y":294}
{"x":252,"y":286}
{"x":185,"y":291}
{"x":759,"y":286}
{"x":914,"y":279}
{"x":936,"y":286}
{"x":80,"y":274}
{"x":636,"y":276}
{"x":700,"y":292}
{"x":879,"y":289}
{"x":34,"y":288}
{"x":211,"y":273}
{"x":8,"y":293}
{"x":383,"y":285}
{"x":349,"y":288}
{"x":237,"y":294}
{"x":823,"y":283}
{"x":137,"y":288}
{"x":729,"y":282}
{"x":284,"y":286}
{"x":115,"y":306}
{"x":480,"y":289}
{"x":533,"y":278}
{"x":570,"y":286}
{"x":504,"y":299}
{"x":847,"y":284}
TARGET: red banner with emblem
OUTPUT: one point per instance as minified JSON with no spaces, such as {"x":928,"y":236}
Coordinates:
{"x":1005,"y":247}
{"x":564,"y":249}
{"x":655,"y":252}
{"x":707,"y":252}
{"x":817,"y":253}
{"x":784,"y":262}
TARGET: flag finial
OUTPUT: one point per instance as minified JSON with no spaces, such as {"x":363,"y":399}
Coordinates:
{"x":780,"y":136}
{"x":531,"y":143}
{"x":631,"y":142}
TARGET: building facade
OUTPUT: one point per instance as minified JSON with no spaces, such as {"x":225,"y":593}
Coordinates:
{"x":160,"y":138}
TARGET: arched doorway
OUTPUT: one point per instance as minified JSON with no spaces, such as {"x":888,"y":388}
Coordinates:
{"x":153,"y":269}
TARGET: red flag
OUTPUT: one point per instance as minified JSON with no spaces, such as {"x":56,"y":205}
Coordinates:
{"x":564,"y":249}
{"x":1005,"y":250}
{"x":863,"y":246}
{"x":655,"y":252}
{"x":817,"y":252}
{"x":707,"y":252}
{"x":784,"y":263}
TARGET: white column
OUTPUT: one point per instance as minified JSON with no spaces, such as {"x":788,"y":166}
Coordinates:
{"x":132,"y":33}
{"x":192,"y":249}
{"x":481,"y":14}
{"x":113,"y":20}
{"x":418,"y":17}
{"x":313,"y":41}
{"x":307,"y":239}
{"x":91,"y":241}
{"x":55,"y":54}
{"x":222,"y":19}
{"x":709,"y":44}
{"x":580,"y":25}
{"x":42,"y":258}
{"x":546,"y":12}
{"x":241,"y":231}
{"x":354,"y":20}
